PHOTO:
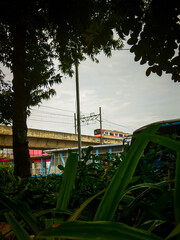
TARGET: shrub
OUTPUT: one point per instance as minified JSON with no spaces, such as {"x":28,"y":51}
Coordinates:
{"x":128,"y":209}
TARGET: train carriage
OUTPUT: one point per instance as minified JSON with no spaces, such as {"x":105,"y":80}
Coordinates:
{"x":110,"y":134}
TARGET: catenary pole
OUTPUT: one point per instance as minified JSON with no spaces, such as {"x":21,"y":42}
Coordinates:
{"x":75,"y":125}
{"x":100,"y":116}
{"x":78,"y":109}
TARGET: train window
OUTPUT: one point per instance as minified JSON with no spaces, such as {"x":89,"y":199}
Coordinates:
{"x":106,"y":133}
{"x":116,"y":134}
{"x":97,"y":131}
{"x":120,"y":135}
{"x":111,"y":134}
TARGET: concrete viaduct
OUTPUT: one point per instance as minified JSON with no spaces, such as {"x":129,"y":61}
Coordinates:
{"x":40,"y":139}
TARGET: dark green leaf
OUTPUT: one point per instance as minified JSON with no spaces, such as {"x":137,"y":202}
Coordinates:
{"x":122,"y":177}
{"x":150,"y":225}
{"x":97,"y":230}
{"x":175,"y":232}
{"x":26,"y":215}
{"x":177,"y":191}
{"x":19,"y":231}
{"x":78,"y":212}
{"x":67,"y":182}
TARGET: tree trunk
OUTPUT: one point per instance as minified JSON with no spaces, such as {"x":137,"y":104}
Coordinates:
{"x":20,"y":143}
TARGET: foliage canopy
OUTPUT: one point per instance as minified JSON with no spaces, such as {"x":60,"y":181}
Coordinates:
{"x":34,"y":33}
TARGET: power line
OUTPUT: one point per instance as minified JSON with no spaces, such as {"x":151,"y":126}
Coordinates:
{"x":89,"y":118}
{"x":60,"y":109}
{"x":38,"y":120}
{"x":47,"y":117}
{"x":110,"y":126}
{"x":64,"y":115}
{"x":52,"y":113}
{"x":93,"y":123}
{"x":117,"y":124}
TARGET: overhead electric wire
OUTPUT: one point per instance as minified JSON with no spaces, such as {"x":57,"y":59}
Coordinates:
{"x":117,"y":124}
{"x":111,"y":127}
{"x":84,"y":125}
{"x":60,"y":109}
{"x":52,"y":113}
{"x":47,"y":117}
{"x":40,"y":120}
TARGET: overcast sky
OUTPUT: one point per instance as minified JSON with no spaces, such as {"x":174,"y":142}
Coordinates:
{"x":120,"y":87}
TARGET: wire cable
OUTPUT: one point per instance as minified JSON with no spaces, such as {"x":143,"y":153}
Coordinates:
{"x":60,"y":109}
{"x":52,"y":113}
{"x":105,"y":120}
{"x":38,"y":120}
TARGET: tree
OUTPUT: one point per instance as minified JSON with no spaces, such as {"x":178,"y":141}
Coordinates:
{"x":5,"y":101}
{"x":33,"y":33}
{"x":155,"y":38}
{"x":151,"y":27}
{"x":25,"y":50}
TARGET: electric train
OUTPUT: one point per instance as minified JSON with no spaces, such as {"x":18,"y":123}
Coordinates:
{"x":110,"y":134}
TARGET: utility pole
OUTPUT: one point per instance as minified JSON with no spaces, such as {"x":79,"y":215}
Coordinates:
{"x":100,"y":120}
{"x":75,"y":125}
{"x":78,"y":109}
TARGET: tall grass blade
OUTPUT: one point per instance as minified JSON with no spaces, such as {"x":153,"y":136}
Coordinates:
{"x":78,"y":212}
{"x":150,"y":186}
{"x":67,"y":182}
{"x":150,"y":225}
{"x":123,"y":176}
{"x":177,"y":192}
{"x":52,"y":211}
{"x":26,"y":215}
{"x":158,"y":185}
{"x":164,"y":141}
{"x":175,"y":232}
{"x":97,"y":230}
{"x":18,"y":230}
{"x":128,"y":210}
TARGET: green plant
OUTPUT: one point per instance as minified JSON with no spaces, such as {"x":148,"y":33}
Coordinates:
{"x":157,"y":164}
{"x":119,"y":191}
{"x":93,"y":175}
